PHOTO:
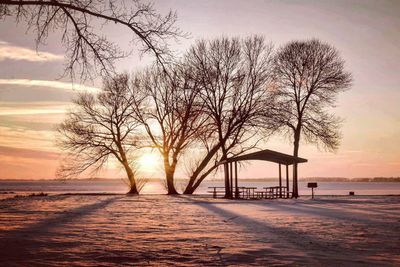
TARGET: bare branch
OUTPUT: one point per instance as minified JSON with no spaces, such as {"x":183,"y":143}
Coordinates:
{"x":88,"y":51}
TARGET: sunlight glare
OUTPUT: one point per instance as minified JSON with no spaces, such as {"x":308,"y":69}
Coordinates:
{"x":148,"y":161}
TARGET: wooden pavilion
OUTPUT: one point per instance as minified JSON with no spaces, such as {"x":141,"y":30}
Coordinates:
{"x":265,"y":155}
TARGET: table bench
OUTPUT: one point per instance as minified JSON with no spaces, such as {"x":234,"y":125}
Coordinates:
{"x":216,"y":190}
{"x":274,"y":192}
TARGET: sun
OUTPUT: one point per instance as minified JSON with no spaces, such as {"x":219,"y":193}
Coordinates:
{"x":148,"y":161}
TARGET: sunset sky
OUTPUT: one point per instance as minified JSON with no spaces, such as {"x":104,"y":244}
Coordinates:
{"x":367,"y":34}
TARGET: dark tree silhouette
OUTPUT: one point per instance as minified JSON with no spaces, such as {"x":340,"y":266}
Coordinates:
{"x":233,"y":77}
{"x":99,"y":127}
{"x":171,"y":112}
{"x":308,"y":77}
{"x":88,"y":50}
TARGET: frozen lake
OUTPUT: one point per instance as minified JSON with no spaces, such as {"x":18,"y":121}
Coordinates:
{"x":160,"y":230}
{"x":157,"y":187}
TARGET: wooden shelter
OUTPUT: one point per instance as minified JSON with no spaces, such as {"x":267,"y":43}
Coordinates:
{"x":265,"y":155}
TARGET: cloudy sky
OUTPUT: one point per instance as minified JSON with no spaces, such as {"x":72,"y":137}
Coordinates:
{"x":33,"y":100}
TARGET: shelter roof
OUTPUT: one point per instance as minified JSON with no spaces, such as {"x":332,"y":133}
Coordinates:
{"x":269,"y":155}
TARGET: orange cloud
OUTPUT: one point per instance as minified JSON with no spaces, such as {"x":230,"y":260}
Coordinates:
{"x":13,"y":152}
{"x":20,"y":163}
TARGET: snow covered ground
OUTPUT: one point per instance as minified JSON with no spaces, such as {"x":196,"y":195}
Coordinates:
{"x":159,"y":230}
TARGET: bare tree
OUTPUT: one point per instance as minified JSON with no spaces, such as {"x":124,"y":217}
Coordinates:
{"x":99,"y":127}
{"x":308,"y":77}
{"x":80,"y":21}
{"x":233,"y":77}
{"x":171,"y":113}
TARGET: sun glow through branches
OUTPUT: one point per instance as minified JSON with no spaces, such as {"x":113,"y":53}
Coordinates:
{"x":148,"y":161}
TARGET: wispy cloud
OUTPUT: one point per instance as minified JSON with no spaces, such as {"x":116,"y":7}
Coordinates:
{"x":22,"y":137}
{"x":32,"y":108}
{"x":27,"y":153}
{"x":49,"y":84}
{"x":17,"y":163}
{"x":12,"y":52}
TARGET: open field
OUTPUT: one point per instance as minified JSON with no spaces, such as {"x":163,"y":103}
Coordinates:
{"x":107,"y":230}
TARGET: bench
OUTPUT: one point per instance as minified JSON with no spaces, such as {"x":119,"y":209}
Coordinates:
{"x":215,"y":190}
{"x":272,"y":192}
{"x":260,"y":194}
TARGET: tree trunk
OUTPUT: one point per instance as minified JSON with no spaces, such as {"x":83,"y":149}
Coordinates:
{"x":228,"y":193}
{"x":169,"y":175}
{"x":131,"y":177}
{"x":170,"y":183}
{"x":295,"y":172}
{"x":189,"y":188}
{"x":192,"y":185}
{"x":133,"y":191}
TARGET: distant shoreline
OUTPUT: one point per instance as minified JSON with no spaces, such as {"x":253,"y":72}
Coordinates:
{"x":269,"y":179}
{"x":205,"y":195}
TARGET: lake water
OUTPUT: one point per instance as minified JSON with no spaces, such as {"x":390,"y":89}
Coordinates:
{"x":157,"y":187}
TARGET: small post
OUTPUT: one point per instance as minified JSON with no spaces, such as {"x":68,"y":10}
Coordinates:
{"x":312,"y":186}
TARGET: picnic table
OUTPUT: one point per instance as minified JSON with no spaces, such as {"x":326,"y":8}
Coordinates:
{"x":243,"y":192}
{"x":249,"y":192}
{"x":275,"y":191}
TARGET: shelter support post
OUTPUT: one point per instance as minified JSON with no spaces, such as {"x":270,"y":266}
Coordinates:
{"x":231,"y":178}
{"x":280,"y":181}
{"x":236,"y":182}
{"x":227,"y":180}
{"x":287,"y":181}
